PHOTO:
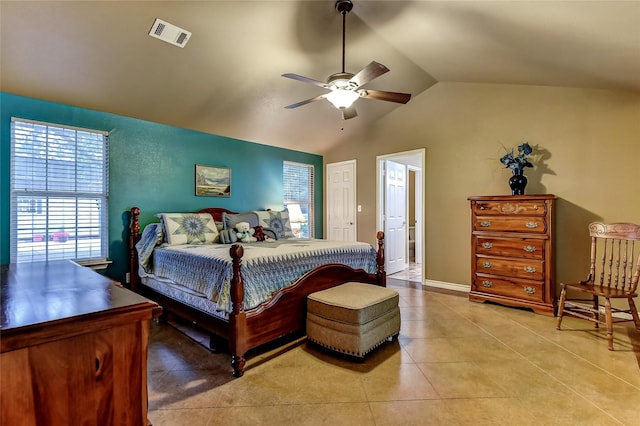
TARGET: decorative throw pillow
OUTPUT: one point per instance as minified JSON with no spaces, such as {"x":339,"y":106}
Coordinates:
{"x":231,"y":219}
{"x":286,"y":223}
{"x":189,"y":228}
{"x":263,"y":217}
{"x":277,"y":222}
{"x":228,"y":236}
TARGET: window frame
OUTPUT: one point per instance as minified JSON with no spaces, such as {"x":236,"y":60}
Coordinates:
{"x":54,"y":180}
{"x":307,"y":205}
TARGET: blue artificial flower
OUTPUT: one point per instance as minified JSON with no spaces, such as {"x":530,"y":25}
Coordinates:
{"x":518,"y":162}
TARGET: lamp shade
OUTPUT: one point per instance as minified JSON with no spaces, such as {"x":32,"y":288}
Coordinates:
{"x":295,"y":214}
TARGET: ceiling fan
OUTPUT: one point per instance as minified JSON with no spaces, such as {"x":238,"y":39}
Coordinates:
{"x":345,"y":88}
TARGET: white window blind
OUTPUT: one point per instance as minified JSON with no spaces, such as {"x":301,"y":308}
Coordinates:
{"x":298,"y":197}
{"x":59,"y":192}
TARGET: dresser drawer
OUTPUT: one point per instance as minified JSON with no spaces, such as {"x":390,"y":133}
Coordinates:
{"x":512,"y":288}
{"x":510,"y":247}
{"x":521,"y":208}
{"x":532,"y":269}
{"x":533,"y":225}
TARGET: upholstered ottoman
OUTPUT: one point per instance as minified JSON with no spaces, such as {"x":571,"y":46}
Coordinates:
{"x":353,"y":318}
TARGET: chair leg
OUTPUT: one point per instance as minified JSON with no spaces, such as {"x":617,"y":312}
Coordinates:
{"x":563,"y":297}
{"x":596,"y":310}
{"x":609,"y":322}
{"x":634,"y":313}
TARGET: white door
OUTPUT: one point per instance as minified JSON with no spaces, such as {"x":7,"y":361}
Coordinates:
{"x":395,"y":224}
{"x":341,"y":201}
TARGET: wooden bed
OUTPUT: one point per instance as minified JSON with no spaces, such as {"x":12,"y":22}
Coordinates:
{"x":284,"y":314}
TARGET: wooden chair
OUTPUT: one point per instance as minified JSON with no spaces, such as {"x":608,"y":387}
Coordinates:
{"x":613,"y":274}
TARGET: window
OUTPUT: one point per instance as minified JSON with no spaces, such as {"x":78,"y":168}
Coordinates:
{"x":298,"y":197}
{"x":59,"y":192}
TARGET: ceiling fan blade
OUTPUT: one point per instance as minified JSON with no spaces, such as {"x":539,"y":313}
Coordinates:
{"x":306,"y":101}
{"x":368,"y":73}
{"x":306,"y":80}
{"x":401,"y":98}
{"x":349,"y":113}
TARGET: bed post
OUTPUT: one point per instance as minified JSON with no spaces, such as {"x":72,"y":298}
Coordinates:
{"x":134,"y":237}
{"x":238,"y":317}
{"x":382,"y":276}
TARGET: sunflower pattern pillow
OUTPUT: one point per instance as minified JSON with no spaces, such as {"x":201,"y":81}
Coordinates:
{"x":189,"y":228}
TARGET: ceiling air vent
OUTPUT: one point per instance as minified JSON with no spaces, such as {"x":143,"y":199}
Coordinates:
{"x":169,"y":33}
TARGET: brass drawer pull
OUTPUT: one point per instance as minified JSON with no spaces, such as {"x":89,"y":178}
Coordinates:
{"x":485,"y":223}
{"x":529,"y":269}
{"x":531,"y":224}
{"x":487,"y":284}
{"x":487,"y":245}
{"x":529,"y":249}
{"x":486,"y":264}
{"x":530,"y":290}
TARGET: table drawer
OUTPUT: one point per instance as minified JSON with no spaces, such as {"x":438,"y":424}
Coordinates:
{"x":532,"y":225}
{"x":523,"y":208}
{"x":532,"y":269}
{"x":512,"y":247}
{"x":510,"y":288}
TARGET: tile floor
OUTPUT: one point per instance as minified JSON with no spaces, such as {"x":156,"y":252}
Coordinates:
{"x":456,"y":363}
{"x":413,"y":273}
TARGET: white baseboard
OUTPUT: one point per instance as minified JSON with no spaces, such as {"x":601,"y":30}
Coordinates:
{"x":447,"y":286}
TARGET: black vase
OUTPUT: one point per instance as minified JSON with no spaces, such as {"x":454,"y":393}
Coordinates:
{"x":517,"y":182}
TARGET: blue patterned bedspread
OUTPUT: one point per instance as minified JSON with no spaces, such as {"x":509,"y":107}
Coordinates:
{"x":266,"y":266}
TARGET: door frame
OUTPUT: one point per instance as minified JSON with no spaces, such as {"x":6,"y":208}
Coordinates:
{"x":416,"y":160}
{"x":419,"y":212}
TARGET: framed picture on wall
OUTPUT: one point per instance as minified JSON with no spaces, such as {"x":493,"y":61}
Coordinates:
{"x":212,"y":181}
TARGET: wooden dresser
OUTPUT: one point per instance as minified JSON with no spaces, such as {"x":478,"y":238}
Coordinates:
{"x":74,"y":347}
{"x":512,"y":259}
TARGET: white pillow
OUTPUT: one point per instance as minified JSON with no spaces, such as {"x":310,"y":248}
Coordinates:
{"x":189,"y":228}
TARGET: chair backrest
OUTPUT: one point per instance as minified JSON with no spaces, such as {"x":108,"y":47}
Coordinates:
{"x":615,"y":255}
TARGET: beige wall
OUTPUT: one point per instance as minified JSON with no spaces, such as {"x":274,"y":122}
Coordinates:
{"x":587,"y":144}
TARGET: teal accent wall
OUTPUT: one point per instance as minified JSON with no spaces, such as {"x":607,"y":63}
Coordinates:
{"x":152,"y":166}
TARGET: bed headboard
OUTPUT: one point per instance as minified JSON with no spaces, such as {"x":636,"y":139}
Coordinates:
{"x":216,"y":212}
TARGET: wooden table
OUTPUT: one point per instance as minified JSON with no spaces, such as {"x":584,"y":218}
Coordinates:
{"x":73,"y":347}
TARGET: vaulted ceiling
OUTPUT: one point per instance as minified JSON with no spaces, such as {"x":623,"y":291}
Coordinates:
{"x":227,"y":79}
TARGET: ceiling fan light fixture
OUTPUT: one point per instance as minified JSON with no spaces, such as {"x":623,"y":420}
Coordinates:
{"x":345,"y":88}
{"x":342,"y":98}
{"x":341,"y":80}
